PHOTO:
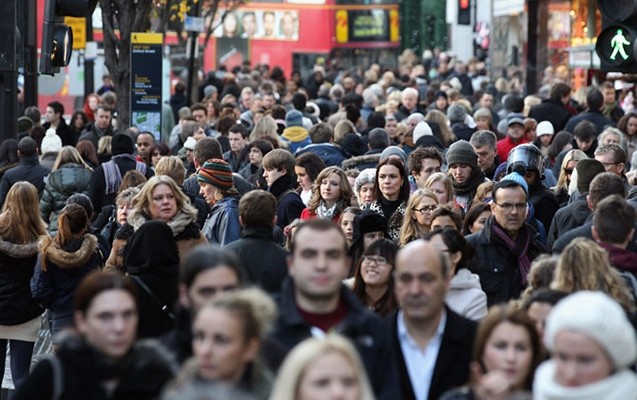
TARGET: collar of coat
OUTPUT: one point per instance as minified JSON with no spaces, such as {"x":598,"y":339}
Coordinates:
{"x":71,"y":259}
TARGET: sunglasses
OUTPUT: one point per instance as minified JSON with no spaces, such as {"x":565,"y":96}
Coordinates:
{"x":568,"y":171}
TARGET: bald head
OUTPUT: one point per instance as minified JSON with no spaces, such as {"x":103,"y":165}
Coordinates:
{"x":422,"y":281}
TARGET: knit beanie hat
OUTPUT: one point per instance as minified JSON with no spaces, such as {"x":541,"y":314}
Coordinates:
{"x":122,"y":144}
{"x":483,"y":113}
{"x":461,"y":152}
{"x":369,"y":221}
{"x":545,"y":128}
{"x":587,"y":169}
{"x":422,"y":129}
{"x":394,"y":151}
{"x":51,"y":143}
{"x":217,"y":173}
{"x":598,"y":317}
{"x":456,"y":113}
{"x":293,"y":118}
{"x":190,"y":143}
{"x":516,"y":177}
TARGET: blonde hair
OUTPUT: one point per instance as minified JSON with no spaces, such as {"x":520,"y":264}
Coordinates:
{"x":445,"y":179}
{"x":411,"y":229}
{"x":104,"y":145}
{"x":173,"y":167}
{"x":443,"y":122}
{"x":20,"y":220}
{"x":142,"y":202}
{"x":584,"y":265}
{"x":299,"y":359}
{"x":342,"y":128}
{"x":571,"y":155}
{"x":265,"y":128}
{"x":69,"y":155}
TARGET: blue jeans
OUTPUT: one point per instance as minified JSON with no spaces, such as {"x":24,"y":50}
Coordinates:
{"x":21,"y":353}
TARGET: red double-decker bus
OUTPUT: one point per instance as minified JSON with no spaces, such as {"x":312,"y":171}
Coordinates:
{"x":292,"y":34}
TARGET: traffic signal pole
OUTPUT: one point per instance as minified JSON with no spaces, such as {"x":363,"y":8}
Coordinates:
{"x":8,"y":71}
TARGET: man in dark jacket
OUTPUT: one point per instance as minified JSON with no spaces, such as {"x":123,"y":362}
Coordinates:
{"x":278,"y":166}
{"x":100,"y":127}
{"x":237,"y":156}
{"x":55,"y":120}
{"x":424,"y":322}
{"x":554,"y":108}
{"x":314,"y":301}
{"x":322,"y":136}
{"x":506,"y":246}
{"x":263,"y":259}
{"x":613,"y":229}
{"x":594,"y":100}
{"x":377,"y":141}
{"x":107,"y":177}
{"x":603,"y":185}
{"x":577,"y":211}
{"x":28,"y":170}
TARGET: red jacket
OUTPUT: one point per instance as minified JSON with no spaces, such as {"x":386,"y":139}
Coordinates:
{"x":505,"y":145}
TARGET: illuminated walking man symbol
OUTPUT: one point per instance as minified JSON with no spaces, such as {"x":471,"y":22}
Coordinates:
{"x":617,"y":43}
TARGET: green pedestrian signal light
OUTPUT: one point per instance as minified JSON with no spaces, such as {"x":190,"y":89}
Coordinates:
{"x":616,"y":42}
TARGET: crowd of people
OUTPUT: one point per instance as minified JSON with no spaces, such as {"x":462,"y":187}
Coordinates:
{"x":409,"y":233}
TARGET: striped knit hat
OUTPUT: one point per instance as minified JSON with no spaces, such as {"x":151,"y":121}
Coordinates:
{"x":217,"y":173}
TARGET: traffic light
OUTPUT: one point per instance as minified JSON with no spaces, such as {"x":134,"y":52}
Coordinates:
{"x":464,"y":12}
{"x":617,"y":42}
{"x":57,"y":38}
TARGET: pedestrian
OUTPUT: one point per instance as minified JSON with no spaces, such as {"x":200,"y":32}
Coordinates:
{"x":417,"y":221}
{"x":333,"y":362}
{"x":101,"y":359}
{"x":62,"y":263}
{"x":20,"y":229}
{"x":331,"y":194}
{"x":603,"y":336}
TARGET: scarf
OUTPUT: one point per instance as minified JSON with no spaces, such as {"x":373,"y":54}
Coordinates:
{"x":462,"y":189}
{"x":327,"y":213}
{"x":112,"y":174}
{"x":518,"y":248}
{"x":621,"y":385}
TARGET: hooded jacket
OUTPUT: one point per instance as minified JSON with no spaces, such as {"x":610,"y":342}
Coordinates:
{"x":62,"y":183}
{"x":297,"y":137}
{"x":54,"y":286}
{"x":17,"y":261}
{"x":466,"y":297}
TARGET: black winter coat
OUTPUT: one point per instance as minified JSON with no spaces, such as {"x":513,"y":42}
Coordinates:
{"x":264,"y":260}
{"x":364,"y":328}
{"x":567,"y":218}
{"x":140,"y":376}
{"x":289,"y":203}
{"x":553,"y":111}
{"x":17,"y":306}
{"x":498,"y":270}
{"x":30,"y":170}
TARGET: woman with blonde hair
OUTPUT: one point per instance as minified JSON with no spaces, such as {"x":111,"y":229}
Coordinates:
{"x":266,"y":128}
{"x":70,"y":175}
{"x":441,"y":119}
{"x":317,"y":366}
{"x":343,"y":128}
{"x":242,"y":318}
{"x":440,"y":184}
{"x":160,"y":199}
{"x":566,"y":171}
{"x":417,"y":219}
{"x":584,"y":265}
{"x":20,"y":228}
{"x":331,"y":194}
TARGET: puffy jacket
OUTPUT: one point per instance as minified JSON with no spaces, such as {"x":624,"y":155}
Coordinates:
{"x":17,"y":306}
{"x":62,"y":183}
{"x":222,"y":225}
{"x":329,"y":153}
{"x":65,"y":268}
{"x":498,"y":270}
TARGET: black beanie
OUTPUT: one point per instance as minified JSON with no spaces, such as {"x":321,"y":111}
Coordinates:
{"x":122,"y":144}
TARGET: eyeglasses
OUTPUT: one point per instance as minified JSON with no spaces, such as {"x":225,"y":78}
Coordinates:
{"x":428,"y":209}
{"x":508,"y":207}
{"x":608,"y":164}
{"x":568,"y":171}
{"x":380,"y":261}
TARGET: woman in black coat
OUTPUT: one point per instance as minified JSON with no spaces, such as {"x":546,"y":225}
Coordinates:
{"x":20,"y":228}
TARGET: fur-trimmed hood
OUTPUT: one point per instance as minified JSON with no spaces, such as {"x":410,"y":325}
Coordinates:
{"x":71,"y":259}
{"x":18,"y":250}
{"x":178,"y":224}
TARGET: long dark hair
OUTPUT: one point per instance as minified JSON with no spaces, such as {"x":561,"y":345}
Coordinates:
{"x":404,"y":188}
{"x":455,"y":242}
{"x":387,"y":303}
